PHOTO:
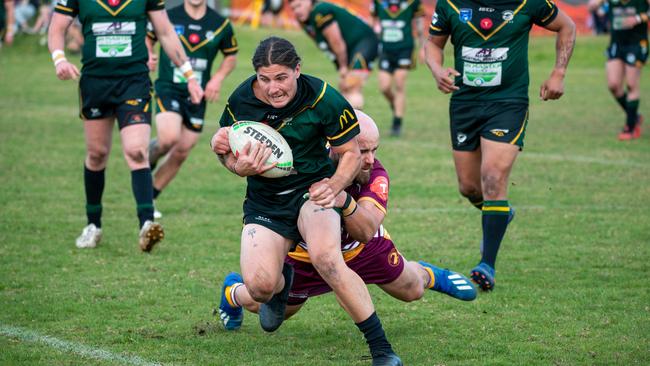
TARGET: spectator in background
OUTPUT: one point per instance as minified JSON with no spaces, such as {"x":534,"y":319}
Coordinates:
{"x":25,"y":10}
{"x":7,"y":22}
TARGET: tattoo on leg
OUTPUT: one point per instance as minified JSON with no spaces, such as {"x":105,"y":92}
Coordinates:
{"x":251,"y":232}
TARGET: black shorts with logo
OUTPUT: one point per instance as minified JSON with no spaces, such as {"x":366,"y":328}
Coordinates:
{"x":127,"y":98}
{"x":277,"y":212}
{"x":363,"y":55}
{"x":496,"y":121}
{"x":192,"y":114}
{"x":392,"y":60}
{"x":631,"y":54}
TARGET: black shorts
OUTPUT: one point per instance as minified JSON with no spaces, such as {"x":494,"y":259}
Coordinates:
{"x":496,"y":121}
{"x":631,"y":54}
{"x":392,"y":60}
{"x":278,"y":212}
{"x":363,"y":55}
{"x":192,"y":114}
{"x":127,"y":98}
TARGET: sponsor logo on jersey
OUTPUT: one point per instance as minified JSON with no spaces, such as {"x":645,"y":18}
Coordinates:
{"x":434,"y":18}
{"x":499,"y":132}
{"x":393,"y":258}
{"x":209,"y":35}
{"x":465,"y":15}
{"x":507,"y":15}
{"x":179,"y":29}
{"x":461,"y":137}
{"x":346,"y":118}
{"x":113,"y":3}
{"x":194,"y":27}
{"x":379,"y":186}
{"x":486,"y":10}
{"x":484,"y":54}
{"x":194,"y":38}
{"x":486,"y":23}
{"x":113,"y":28}
{"x":63,"y":2}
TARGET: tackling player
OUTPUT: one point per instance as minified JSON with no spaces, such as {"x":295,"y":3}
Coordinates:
{"x":626,"y":56}
{"x":179,"y":122}
{"x":115,"y":85}
{"x":366,"y":246}
{"x":347,"y":40}
{"x":396,"y":19}
{"x":489,"y":106}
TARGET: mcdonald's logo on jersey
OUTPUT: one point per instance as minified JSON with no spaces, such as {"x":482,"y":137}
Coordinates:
{"x":347,"y":118}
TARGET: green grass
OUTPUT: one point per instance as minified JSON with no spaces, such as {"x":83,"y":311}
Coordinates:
{"x":571,"y":274}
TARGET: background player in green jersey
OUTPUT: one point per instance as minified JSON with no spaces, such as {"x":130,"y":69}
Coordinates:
{"x":115,"y":85}
{"x":396,"y":20}
{"x":179,"y":123}
{"x":489,"y":105}
{"x":277,"y":215}
{"x":347,"y":40}
{"x":7,"y":22}
{"x":626,"y":56}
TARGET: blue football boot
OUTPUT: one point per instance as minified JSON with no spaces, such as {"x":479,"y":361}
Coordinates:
{"x":387,"y":359}
{"x":272,"y":312}
{"x":231,"y":316}
{"x":451,"y":283}
{"x":483,"y":275}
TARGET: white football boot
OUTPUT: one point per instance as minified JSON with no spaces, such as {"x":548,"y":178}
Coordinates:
{"x":150,"y":234}
{"x":90,"y":237}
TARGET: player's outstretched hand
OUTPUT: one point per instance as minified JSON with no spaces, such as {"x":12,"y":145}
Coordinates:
{"x":66,"y":71}
{"x":322,"y":194}
{"x":212,"y":89}
{"x":196,"y":93}
{"x":252,"y":159}
{"x":445,"y":79}
{"x":219,"y":143}
{"x":552,"y":88}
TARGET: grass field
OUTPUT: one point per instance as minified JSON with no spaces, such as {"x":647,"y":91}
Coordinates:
{"x":572,"y":273}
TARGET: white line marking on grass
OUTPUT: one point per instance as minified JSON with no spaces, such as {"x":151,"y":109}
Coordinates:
{"x":27,"y":335}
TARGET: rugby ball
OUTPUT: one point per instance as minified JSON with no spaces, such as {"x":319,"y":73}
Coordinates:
{"x":243,"y":132}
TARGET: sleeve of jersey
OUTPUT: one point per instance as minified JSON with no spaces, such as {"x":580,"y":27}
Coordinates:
{"x":67,"y":7}
{"x":323,"y":18}
{"x":341,"y":124}
{"x":227,"y":117}
{"x":419,"y":9}
{"x":229,"y":44}
{"x":150,"y":32}
{"x":543,"y":11}
{"x":439,"y":21}
{"x":376,"y":190}
{"x":155,"y":5}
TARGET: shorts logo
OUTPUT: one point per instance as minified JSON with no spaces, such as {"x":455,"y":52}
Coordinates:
{"x":175,"y":105}
{"x":630,"y":58}
{"x":95,"y":112}
{"x":379,"y":187}
{"x":499,"y":132}
{"x":133,"y":102}
{"x":137,"y":118}
{"x":461,"y":137}
{"x":393,"y":258}
{"x":385,"y":64}
{"x":196,"y":122}
{"x":465,"y":15}
{"x":263,"y":219}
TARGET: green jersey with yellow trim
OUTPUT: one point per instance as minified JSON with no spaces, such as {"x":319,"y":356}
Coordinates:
{"x":114,"y":32}
{"x":317,"y":114}
{"x":620,"y":9}
{"x":202,"y":39}
{"x":396,"y":19}
{"x":491,"y":44}
{"x":353,"y":29}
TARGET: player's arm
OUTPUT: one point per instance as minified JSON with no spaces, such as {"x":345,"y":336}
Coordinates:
{"x":553,"y":87}
{"x":151,"y":50}
{"x":56,"y":42}
{"x":434,"y":58}
{"x":213,"y":87}
{"x":332,"y":34}
{"x":9,"y":21}
{"x":173,"y":48}
{"x":324,"y":192}
{"x":595,"y":4}
{"x":361,"y":219}
{"x":418,"y":24}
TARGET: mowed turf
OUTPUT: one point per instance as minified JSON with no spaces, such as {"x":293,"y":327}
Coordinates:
{"x":571,"y":276}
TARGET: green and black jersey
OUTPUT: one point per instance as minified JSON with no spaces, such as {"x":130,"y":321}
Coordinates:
{"x":620,"y":9}
{"x":318,"y":114}
{"x":353,"y":30}
{"x":114,"y":32}
{"x":491,"y":44}
{"x":202,"y":39}
{"x":396,"y":19}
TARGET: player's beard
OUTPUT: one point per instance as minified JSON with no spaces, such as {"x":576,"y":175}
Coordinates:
{"x":363,"y":177}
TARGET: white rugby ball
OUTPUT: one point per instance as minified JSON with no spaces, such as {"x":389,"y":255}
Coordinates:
{"x":243,"y":132}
